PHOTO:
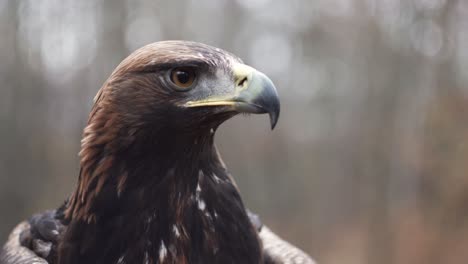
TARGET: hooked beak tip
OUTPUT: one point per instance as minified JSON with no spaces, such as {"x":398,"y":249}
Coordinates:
{"x":273,"y":119}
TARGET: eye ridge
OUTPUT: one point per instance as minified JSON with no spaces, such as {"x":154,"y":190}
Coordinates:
{"x":183,"y":77}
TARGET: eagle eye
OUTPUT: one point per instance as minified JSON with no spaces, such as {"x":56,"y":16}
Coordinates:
{"x":183,"y":77}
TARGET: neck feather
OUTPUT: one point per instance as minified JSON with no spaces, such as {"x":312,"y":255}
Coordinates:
{"x":163,"y":197}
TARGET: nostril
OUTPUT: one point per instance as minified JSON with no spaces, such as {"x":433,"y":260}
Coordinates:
{"x":242,"y":82}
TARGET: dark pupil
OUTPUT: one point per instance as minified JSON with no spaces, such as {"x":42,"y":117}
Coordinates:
{"x":183,"y":77}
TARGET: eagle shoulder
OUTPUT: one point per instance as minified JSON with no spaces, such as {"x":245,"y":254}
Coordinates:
{"x":278,"y":251}
{"x":14,"y":253}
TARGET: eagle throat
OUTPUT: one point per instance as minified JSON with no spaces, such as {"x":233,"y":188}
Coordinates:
{"x":164,"y":200}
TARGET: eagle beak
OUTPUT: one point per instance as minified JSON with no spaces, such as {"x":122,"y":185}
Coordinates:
{"x":254,"y":93}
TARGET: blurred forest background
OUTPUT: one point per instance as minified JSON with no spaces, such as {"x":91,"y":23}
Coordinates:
{"x":368,"y":163}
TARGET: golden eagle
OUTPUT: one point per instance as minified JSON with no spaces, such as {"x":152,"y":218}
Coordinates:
{"x":152,"y":187}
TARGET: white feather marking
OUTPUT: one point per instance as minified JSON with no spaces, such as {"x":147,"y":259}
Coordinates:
{"x":201,"y":204}
{"x":151,"y":218}
{"x":176,"y":231}
{"x":162,"y":251}
{"x":216,"y":178}
{"x":208,"y":215}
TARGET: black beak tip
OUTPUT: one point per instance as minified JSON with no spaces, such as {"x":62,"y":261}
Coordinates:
{"x":274,"y":116}
{"x":269,"y":99}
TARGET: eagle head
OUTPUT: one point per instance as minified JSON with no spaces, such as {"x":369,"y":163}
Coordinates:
{"x":185,"y":87}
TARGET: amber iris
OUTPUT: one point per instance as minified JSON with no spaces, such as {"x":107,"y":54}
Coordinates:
{"x":183,"y":78}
